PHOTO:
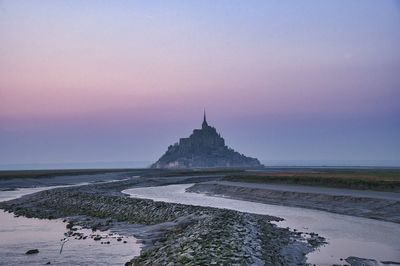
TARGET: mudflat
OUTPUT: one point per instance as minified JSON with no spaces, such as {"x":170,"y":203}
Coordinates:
{"x":361,"y":203}
{"x":172,"y":233}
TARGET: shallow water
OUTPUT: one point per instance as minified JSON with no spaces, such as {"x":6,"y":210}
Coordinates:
{"x":6,"y":195}
{"x":19,"y":192}
{"x":20,"y":234}
{"x":347,"y":235}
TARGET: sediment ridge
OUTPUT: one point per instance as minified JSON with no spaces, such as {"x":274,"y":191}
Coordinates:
{"x":373,"y":208}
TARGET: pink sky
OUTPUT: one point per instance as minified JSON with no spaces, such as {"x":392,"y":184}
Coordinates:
{"x":140,"y":62}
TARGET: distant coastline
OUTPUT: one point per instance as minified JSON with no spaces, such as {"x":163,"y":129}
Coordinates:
{"x":76,"y":165}
{"x":146,"y":163}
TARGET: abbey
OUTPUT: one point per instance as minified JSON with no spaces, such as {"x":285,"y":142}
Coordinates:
{"x":205,"y":148}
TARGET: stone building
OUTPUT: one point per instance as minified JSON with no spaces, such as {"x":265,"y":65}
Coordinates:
{"x":204,"y":148}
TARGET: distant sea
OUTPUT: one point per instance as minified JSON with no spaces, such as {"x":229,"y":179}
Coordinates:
{"x":145,"y":164}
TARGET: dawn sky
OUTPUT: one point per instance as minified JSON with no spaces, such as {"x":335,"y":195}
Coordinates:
{"x":90,"y":81}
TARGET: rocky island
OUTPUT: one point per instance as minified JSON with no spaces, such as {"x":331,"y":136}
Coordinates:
{"x":205,"y":148}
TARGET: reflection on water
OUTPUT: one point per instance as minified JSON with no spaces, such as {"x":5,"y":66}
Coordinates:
{"x":20,"y":234}
{"x":19,"y":192}
{"x":347,"y":235}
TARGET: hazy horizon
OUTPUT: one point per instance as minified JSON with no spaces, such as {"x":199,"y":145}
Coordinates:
{"x":146,"y":164}
{"x":120,"y":81}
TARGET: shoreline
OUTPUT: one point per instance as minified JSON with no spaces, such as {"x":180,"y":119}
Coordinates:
{"x":49,"y":236}
{"x":171,"y":232}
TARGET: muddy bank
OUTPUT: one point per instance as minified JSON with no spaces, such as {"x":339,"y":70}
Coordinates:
{"x":172,"y":233}
{"x":374,"y":208}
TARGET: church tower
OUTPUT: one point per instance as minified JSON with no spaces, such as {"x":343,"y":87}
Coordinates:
{"x":204,"y":125}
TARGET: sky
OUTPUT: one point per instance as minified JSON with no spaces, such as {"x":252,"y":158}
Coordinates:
{"x":119,"y":81}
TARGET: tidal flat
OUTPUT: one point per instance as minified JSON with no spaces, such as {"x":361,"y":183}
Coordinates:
{"x":170,"y":233}
{"x":181,"y":233}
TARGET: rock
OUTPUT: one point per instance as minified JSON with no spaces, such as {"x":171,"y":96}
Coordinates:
{"x":97,"y":238}
{"x":204,"y":148}
{"x":69,"y":225}
{"x":32,"y":251}
{"x":356,"y":261}
{"x":186,"y":256}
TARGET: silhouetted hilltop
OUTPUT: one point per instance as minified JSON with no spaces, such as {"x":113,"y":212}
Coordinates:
{"x":205,"y":148}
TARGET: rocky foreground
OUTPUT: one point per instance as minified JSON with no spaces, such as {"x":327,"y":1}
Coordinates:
{"x":174,"y":234}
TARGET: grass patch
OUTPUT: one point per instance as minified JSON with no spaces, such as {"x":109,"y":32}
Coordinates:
{"x":375,"y":179}
{"x":10,"y":174}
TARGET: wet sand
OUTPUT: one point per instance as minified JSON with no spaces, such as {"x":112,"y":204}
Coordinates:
{"x":174,"y":233}
{"x":368,"y":204}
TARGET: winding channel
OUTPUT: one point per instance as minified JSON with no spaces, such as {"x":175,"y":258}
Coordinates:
{"x":346,"y":235}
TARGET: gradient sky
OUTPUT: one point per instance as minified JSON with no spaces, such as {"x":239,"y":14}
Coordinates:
{"x":88,"y":81}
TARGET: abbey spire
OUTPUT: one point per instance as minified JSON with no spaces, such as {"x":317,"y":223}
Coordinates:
{"x":204,"y":125}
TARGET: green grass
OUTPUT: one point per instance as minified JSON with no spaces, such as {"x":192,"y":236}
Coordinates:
{"x":373,"y":179}
{"x":144,"y":172}
{"x":52,"y":173}
{"x":376,"y":179}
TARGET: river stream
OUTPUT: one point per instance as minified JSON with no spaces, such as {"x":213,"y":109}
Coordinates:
{"x":347,"y":235}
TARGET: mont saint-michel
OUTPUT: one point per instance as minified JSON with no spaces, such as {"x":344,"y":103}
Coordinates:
{"x":93,"y":94}
{"x":205,"y":148}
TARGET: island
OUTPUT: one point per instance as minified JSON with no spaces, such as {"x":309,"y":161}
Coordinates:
{"x":204,"y":148}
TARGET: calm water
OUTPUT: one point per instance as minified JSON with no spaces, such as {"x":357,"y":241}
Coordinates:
{"x":347,"y":235}
{"x":19,"y":192}
{"x":19,"y":234}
